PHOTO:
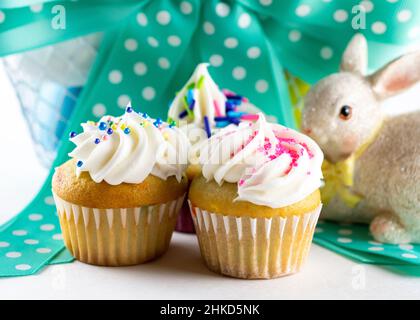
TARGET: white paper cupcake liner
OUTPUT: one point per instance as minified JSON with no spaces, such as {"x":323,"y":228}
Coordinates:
{"x":254,"y":248}
{"x":116,"y":237}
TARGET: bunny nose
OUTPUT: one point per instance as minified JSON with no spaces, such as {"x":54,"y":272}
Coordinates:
{"x":307,"y":130}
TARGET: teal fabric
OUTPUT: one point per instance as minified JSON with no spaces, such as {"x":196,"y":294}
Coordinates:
{"x":355,"y":241}
{"x":151,"y":47}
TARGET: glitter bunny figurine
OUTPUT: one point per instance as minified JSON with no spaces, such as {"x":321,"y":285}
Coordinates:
{"x":372,"y":166}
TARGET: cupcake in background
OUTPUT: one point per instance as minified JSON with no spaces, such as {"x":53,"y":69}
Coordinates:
{"x":200,"y":109}
{"x":257,"y":201}
{"x":119,"y":197}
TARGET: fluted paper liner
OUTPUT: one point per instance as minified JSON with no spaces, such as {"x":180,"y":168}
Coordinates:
{"x":254,"y":248}
{"x":117,"y":237}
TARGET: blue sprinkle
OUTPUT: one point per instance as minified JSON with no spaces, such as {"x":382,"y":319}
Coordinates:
{"x":234,"y":121}
{"x":190,"y":96}
{"x":234,"y":114}
{"x":221,"y":119}
{"x":183,"y":114}
{"x":222,"y":124}
{"x":129,"y":109}
{"x":234,"y":97}
{"x":229,"y":106}
{"x":79,"y":163}
{"x":97,"y":140}
{"x":157,"y":122}
{"x":145,"y":115}
{"x":110,"y":131}
{"x":192,"y":104}
{"x":127,"y":130}
{"x":207,"y":126}
{"x":102,"y":125}
{"x":72,"y":134}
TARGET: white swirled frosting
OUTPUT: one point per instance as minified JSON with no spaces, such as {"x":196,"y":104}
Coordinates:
{"x":201,"y":96}
{"x":127,"y":149}
{"x":272,"y":165}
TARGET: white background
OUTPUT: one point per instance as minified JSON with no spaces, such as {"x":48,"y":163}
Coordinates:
{"x":180,"y":274}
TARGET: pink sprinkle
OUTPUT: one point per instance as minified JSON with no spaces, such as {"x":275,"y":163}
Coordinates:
{"x":241,"y":182}
{"x":217,"y":108}
{"x":249,"y":117}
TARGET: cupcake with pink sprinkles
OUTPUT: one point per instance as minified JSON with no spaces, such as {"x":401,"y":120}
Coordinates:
{"x":201,"y":109}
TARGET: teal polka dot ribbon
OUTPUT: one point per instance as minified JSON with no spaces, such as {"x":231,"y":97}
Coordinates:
{"x":150,"y":48}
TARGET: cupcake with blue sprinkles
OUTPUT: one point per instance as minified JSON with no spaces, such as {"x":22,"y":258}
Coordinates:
{"x":119,"y":196}
{"x":200,"y":109}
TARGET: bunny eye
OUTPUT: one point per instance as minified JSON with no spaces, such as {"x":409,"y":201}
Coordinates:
{"x":346,"y":112}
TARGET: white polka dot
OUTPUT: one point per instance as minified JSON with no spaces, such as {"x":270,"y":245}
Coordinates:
{"x":266,"y":2}
{"x":4,"y":244}
{"x":406,"y":247}
{"x":13,"y":254}
{"x":375,"y":243}
{"x":130,"y":44}
{"x":231,"y":43}
{"x":43,"y":250}
{"x":35,"y":217}
{"x":115,"y":76}
{"x":57,"y":236}
{"x":186,"y":7}
{"x":23,"y":267}
{"x":326,"y":53}
{"x":31,"y":241}
{"x":163,"y":17}
{"x":414,"y":32}
{"x":99,"y":110}
{"x":253,"y":52}
{"x":341,"y":15}
{"x":153,"y":42}
{"x":222,"y":9}
{"x":123,"y":100}
{"x":295,"y":35}
{"x":319,"y":230}
{"x":244,"y":20}
{"x":174,"y":41}
{"x":20,"y":233}
{"x":239,"y":73}
{"x":36,"y":7}
{"x":164,"y":63}
{"x":209,"y":28}
{"x":49,"y":200}
{"x":142,"y":19}
{"x":148,"y":93}
{"x":376,"y":249}
{"x":344,"y":240}
{"x":345,"y":232}
{"x":404,"y":15}
{"x":216,"y":60}
{"x":379,"y":27}
{"x":261,"y":86}
{"x":2,"y":16}
{"x":303,"y":10}
{"x":409,"y":256}
{"x":366,"y":5}
{"x":140,"y":68}
{"x":47,"y":227}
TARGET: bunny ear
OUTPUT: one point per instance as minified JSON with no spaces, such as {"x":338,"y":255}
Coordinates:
{"x":396,"y":76}
{"x":355,"y":57}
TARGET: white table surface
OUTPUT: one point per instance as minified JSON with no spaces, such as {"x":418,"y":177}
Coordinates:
{"x":180,"y":274}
